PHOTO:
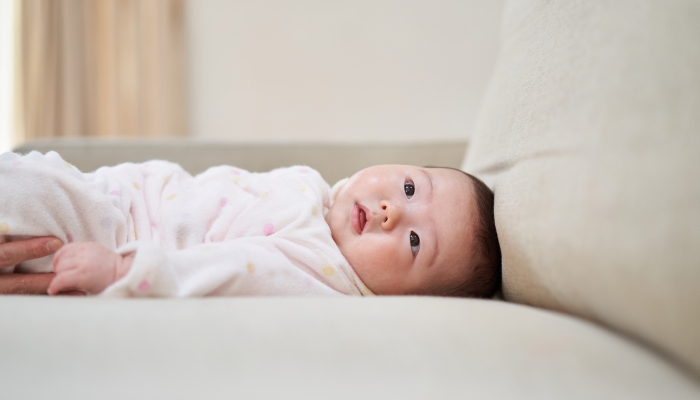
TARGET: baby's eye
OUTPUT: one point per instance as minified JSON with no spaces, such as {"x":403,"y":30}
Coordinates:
{"x":415,"y":243}
{"x":409,"y":189}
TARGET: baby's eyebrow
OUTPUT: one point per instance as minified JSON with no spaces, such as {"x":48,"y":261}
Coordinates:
{"x":436,"y":248}
{"x":430,"y":179}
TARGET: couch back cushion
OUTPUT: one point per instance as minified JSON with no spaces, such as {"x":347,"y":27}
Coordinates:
{"x":590,"y":136}
{"x":334,"y":161}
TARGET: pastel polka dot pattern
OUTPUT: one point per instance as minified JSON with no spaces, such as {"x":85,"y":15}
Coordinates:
{"x":218,"y":199}
{"x":144,"y":286}
{"x":268,"y":229}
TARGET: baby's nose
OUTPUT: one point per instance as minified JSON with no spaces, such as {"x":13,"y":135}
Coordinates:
{"x":390,"y":215}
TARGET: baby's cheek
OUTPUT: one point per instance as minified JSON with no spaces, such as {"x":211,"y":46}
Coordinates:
{"x":382,"y":252}
{"x":375,"y":260}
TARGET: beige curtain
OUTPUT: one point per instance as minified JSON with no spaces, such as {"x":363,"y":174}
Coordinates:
{"x":108,"y":68}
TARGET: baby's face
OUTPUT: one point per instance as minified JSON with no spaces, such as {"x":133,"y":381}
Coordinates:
{"x":405,"y":229}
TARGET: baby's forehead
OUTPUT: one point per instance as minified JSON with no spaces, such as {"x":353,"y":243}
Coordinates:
{"x":456,"y":216}
{"x":456,"y":183}
{"x":452,"y":184}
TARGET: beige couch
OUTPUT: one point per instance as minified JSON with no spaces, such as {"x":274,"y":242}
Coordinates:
{"x":588,"y":134}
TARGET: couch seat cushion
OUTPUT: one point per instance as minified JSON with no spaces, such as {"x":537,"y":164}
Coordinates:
{"x":318,"y":348}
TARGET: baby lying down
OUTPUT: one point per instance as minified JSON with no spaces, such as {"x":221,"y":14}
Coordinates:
{"x":151,"y":229}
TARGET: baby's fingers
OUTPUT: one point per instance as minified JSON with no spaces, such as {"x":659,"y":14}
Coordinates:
{"x":64,"y":260}
{"x":65,"y":281}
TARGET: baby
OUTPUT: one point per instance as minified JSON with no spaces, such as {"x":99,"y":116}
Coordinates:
{"x":152,"y":229}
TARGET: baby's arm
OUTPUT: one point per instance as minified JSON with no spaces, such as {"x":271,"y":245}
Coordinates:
{"x":89,"y":266}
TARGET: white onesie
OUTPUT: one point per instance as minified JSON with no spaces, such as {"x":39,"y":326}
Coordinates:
{"x":224,"y":232}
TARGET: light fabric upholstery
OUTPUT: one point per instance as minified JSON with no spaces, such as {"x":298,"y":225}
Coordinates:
{"x":334,"y":161}
{"x":313,"y":348}
{"x":318,"y":348}
{"x":590,"y":134}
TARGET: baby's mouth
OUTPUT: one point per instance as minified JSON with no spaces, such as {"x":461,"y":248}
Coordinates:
{"x":359,"y":219}
{"x":363,"y":220}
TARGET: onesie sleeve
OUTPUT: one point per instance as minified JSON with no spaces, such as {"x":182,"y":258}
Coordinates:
{"x":245,"y":266}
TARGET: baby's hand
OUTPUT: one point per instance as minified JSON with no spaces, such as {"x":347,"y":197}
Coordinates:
{"x":89,"y":267}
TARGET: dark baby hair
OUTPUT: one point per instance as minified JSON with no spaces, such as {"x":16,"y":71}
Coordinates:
{"x":485,"y":278}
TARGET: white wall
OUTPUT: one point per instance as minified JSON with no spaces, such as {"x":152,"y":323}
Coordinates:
{"x":353,"y":70}
{"x":6,"y":72}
